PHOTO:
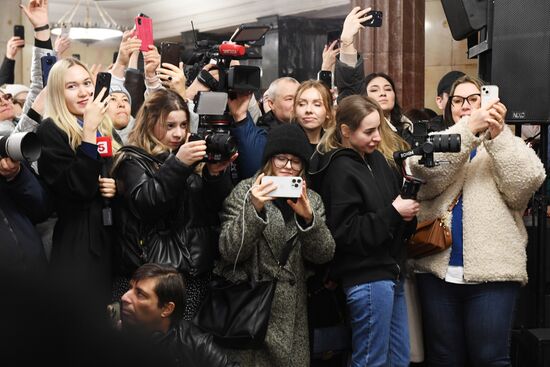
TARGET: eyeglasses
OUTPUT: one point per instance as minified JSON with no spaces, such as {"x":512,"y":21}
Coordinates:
{"x":6,"y":96}
{"x":459,"y":100}
{"x":281,"y":161}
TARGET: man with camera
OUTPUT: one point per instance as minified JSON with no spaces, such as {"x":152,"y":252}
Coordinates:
{"x":23,"y":201}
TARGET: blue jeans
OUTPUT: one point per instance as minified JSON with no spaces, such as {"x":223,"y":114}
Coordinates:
{"x":380,"y":333}
{"x":466,"y":324}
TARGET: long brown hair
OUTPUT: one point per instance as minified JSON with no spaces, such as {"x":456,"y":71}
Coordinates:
{"x":155,"y":110}
{"x":351,"y":111}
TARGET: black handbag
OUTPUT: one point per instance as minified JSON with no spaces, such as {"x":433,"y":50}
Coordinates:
{"x":237,"y":313}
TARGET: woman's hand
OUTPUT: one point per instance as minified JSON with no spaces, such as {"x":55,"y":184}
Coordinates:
{"x":481,"y":118}
{"x":302,"y":206}
{"x":329,"y":56}
{"x":352,"y":25}
{"x":258,"y":194}
{"x":191,"y":152}
{"x":13,"y":46}
{"x":9,"y":168}
{"x":172,"y":77}
{"x":407,"y":208}
{"x":61,"y":45}
{"x":36,"y":12}
{"x":498,"y":112}
{"x":93,"y":115}
{"x":214,"y":169}
{"x":151,"y":61}
{"x":129,"y":44}
{"x":107,"y":187}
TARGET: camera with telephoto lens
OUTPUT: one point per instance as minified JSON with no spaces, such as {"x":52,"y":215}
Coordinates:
{"x":214,"y":126}
{"x":425,"y":145}
{"x":20,"y":146}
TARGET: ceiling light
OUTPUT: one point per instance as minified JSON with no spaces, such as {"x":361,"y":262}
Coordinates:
{"x":88,"y":31}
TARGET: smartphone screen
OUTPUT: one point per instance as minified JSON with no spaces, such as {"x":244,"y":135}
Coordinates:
{"x":144,"y":30}
{"x":103,"y":80}
{"x":375,"y":21}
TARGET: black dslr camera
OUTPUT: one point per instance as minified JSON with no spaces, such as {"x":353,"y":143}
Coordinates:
{"x":214,"y":126}
{"x":424,"y":145}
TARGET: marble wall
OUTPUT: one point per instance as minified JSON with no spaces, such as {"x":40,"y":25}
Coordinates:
{"x":443,"y":53}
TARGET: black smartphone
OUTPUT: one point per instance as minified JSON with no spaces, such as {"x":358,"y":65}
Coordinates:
{"x":115,"y":56}
{"x":325,"y":77}
{"x":46,"y":63}
{"x":19,"y":31}
{"x":76,"y":56}
{"x":170,"y":53}
{"x":333,"y":36}
{"x":102,"y":80}
{"x":375,"y":21}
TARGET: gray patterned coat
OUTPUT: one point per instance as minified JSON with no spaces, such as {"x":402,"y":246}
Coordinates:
{"x":287,"y":342}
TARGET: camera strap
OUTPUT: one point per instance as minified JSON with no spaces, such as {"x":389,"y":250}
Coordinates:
{"x":208,"y":80}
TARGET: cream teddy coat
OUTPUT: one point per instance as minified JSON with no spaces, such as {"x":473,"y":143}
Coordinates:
{"x":496,"y":187}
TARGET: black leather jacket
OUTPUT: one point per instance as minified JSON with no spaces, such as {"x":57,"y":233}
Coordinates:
{"x":161,"y":201}
{"x":190,"y":347}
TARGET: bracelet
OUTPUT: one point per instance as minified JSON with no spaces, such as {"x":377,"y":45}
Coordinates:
{"x":42,"y":28}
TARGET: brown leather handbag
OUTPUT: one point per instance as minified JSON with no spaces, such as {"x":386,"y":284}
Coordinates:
{"x":431,"y":237}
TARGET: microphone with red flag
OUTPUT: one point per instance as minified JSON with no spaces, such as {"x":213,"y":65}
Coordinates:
{"x":105,"y":150}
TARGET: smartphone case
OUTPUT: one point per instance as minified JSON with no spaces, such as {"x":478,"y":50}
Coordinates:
{"x":375,"y":21}
{"x":19,"y":31}
{"x":102,"y":80}
{"x":287,"y":186}
{"x":170,"y":53}
{"x":46,"y":63}
{"x":488,"y":93}
{"x":144,"y":30}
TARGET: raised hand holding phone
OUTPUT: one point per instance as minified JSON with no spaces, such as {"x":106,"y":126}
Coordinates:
{"x":103,"y":80}
{"x":93,"y":115}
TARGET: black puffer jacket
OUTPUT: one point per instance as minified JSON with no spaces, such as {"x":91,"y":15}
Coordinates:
{"x":162,"y":203}
{"x":190,"y":347}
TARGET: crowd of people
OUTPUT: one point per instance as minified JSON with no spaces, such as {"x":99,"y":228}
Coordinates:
{"x":145,"y":228}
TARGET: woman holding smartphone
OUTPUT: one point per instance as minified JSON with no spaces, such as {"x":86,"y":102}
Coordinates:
{"x":260,"y":231}
{"x":75,"y":173}
{"x":468,"y":292}
{"x":370,"y":222}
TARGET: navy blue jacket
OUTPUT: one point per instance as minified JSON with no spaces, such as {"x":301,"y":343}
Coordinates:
{"x":23,"y":201}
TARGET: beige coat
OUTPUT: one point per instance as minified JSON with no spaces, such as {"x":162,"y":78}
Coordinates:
{"x":496,"y":187}
{"x":286,"y":342}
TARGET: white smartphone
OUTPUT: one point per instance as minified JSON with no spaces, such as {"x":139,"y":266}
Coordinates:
{"x":65,"y":30}
{"x":488,"y":93}
{"x":287,"y":186}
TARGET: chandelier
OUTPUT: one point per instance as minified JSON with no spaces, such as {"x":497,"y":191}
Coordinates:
{"x":88,"y":31}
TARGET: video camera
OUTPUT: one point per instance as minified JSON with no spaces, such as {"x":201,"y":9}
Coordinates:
{"x":214,"y":119}
{"x":424,"y":145}
{"x":238,"y":78}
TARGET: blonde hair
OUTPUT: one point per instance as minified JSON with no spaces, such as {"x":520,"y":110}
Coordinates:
{"x":155,"y":110}
{"x":351,"y":111}
{"x":57,"y":110}
{"x":326,"y":98}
